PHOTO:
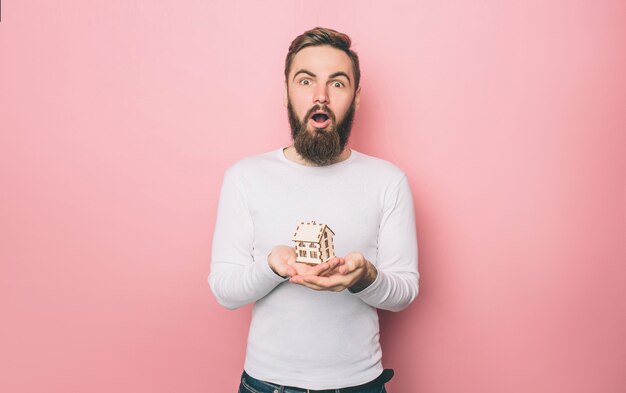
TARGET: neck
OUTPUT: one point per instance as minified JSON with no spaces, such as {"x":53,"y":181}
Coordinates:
{"x":292,"y":155}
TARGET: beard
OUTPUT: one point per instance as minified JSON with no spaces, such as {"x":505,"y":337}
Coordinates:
{"x":320,"y":146}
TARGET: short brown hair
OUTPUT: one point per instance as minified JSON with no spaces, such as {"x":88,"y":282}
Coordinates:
{"x":323,"y":36}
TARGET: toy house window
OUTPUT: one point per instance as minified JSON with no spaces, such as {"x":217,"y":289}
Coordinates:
{"x":313,"y":254}
{"x":326,"y":242}
{"x":302,"y":253}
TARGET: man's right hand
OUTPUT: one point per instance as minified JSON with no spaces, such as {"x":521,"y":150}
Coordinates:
{"x":282,"y":261}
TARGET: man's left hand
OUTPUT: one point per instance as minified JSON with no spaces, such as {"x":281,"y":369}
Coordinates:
{"x":354,"y":272}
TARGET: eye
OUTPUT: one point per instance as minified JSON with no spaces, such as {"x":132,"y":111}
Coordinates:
{"x":337,"y":84}
{"x":305,"y":82}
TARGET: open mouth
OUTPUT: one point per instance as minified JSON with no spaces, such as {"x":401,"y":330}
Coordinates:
{"x":320,"y":120}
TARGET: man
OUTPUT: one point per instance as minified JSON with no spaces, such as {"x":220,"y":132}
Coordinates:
{"x":315,"y":327}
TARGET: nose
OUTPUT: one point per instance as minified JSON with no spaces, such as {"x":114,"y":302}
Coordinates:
{"x":321,"y":94}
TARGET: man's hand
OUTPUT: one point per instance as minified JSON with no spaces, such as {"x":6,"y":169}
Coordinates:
{"x":282,"y":261}
{"x":353,"y":272}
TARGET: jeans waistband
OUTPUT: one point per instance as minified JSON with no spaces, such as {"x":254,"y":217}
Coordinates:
{"x":383,"y":378}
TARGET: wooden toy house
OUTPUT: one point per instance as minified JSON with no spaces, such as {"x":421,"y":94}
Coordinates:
{"x":314,"y":242}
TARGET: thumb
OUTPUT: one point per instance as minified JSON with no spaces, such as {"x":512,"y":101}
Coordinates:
{"x":290,"y":271}
{"x":285,"y":271}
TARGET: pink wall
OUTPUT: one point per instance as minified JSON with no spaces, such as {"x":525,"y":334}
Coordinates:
{"x":118,"y":118}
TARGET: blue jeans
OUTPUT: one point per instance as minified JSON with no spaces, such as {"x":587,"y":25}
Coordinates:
{"x":253,"y":385}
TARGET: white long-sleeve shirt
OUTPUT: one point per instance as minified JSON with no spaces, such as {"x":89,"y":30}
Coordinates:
{"x":299,"y":336}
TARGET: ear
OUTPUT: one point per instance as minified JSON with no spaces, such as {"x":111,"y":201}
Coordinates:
{"x":285,"y":95}
{"x":357,"y":98}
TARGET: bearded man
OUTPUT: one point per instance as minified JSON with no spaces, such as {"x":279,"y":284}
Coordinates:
{"x":315,"y":327}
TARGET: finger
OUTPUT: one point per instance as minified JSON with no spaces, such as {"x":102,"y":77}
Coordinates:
{"x":317,"y":269}
{"x":285,"y":271}
{"x":329,"y":273}
{"x":345,"y":269}
{"x":350,"y":266}
{"x":327,"y":283}
{"x":323,"y":267}
{"x":334,"y":270}
{"x":320,"y":288}
{"x":330,"y":266}
{"x":300,"y":280}
{"x":290,"y":271}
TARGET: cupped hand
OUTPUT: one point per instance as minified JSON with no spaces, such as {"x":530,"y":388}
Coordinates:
{"x":282,"y":261}
{"x":322,"y":269}
{"x":353,"y":272}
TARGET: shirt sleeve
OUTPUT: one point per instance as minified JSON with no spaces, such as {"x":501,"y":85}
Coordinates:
{"x":236,"y":279}
{"x":396,"y":285}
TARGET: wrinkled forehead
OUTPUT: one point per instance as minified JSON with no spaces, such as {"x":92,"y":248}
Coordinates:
{"x":322,"y":60}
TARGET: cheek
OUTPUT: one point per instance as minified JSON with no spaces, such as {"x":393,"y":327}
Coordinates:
{"x":300,"y":104}
{"x":341,"y":109}
{"x":342,"y":101}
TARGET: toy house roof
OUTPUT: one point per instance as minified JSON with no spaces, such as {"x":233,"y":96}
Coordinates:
{"x":310,"y":232}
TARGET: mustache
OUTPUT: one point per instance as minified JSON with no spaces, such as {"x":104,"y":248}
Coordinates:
{"x":323,"y":108}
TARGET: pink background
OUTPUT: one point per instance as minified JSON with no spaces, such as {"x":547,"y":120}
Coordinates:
{"x":118,"y":119}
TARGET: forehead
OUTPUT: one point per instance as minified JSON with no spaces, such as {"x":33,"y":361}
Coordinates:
{"x":321,"y":60}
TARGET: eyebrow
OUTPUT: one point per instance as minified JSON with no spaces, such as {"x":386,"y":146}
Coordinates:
{"x":333,"y":75}
{"x":340,"y":73}
{"x":303,"y":71}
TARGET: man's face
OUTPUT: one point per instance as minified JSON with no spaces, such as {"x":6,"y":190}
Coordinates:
{"x":321,"y":101}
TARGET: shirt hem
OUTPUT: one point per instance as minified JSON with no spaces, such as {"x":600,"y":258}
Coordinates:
{"x":316,"y":385}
